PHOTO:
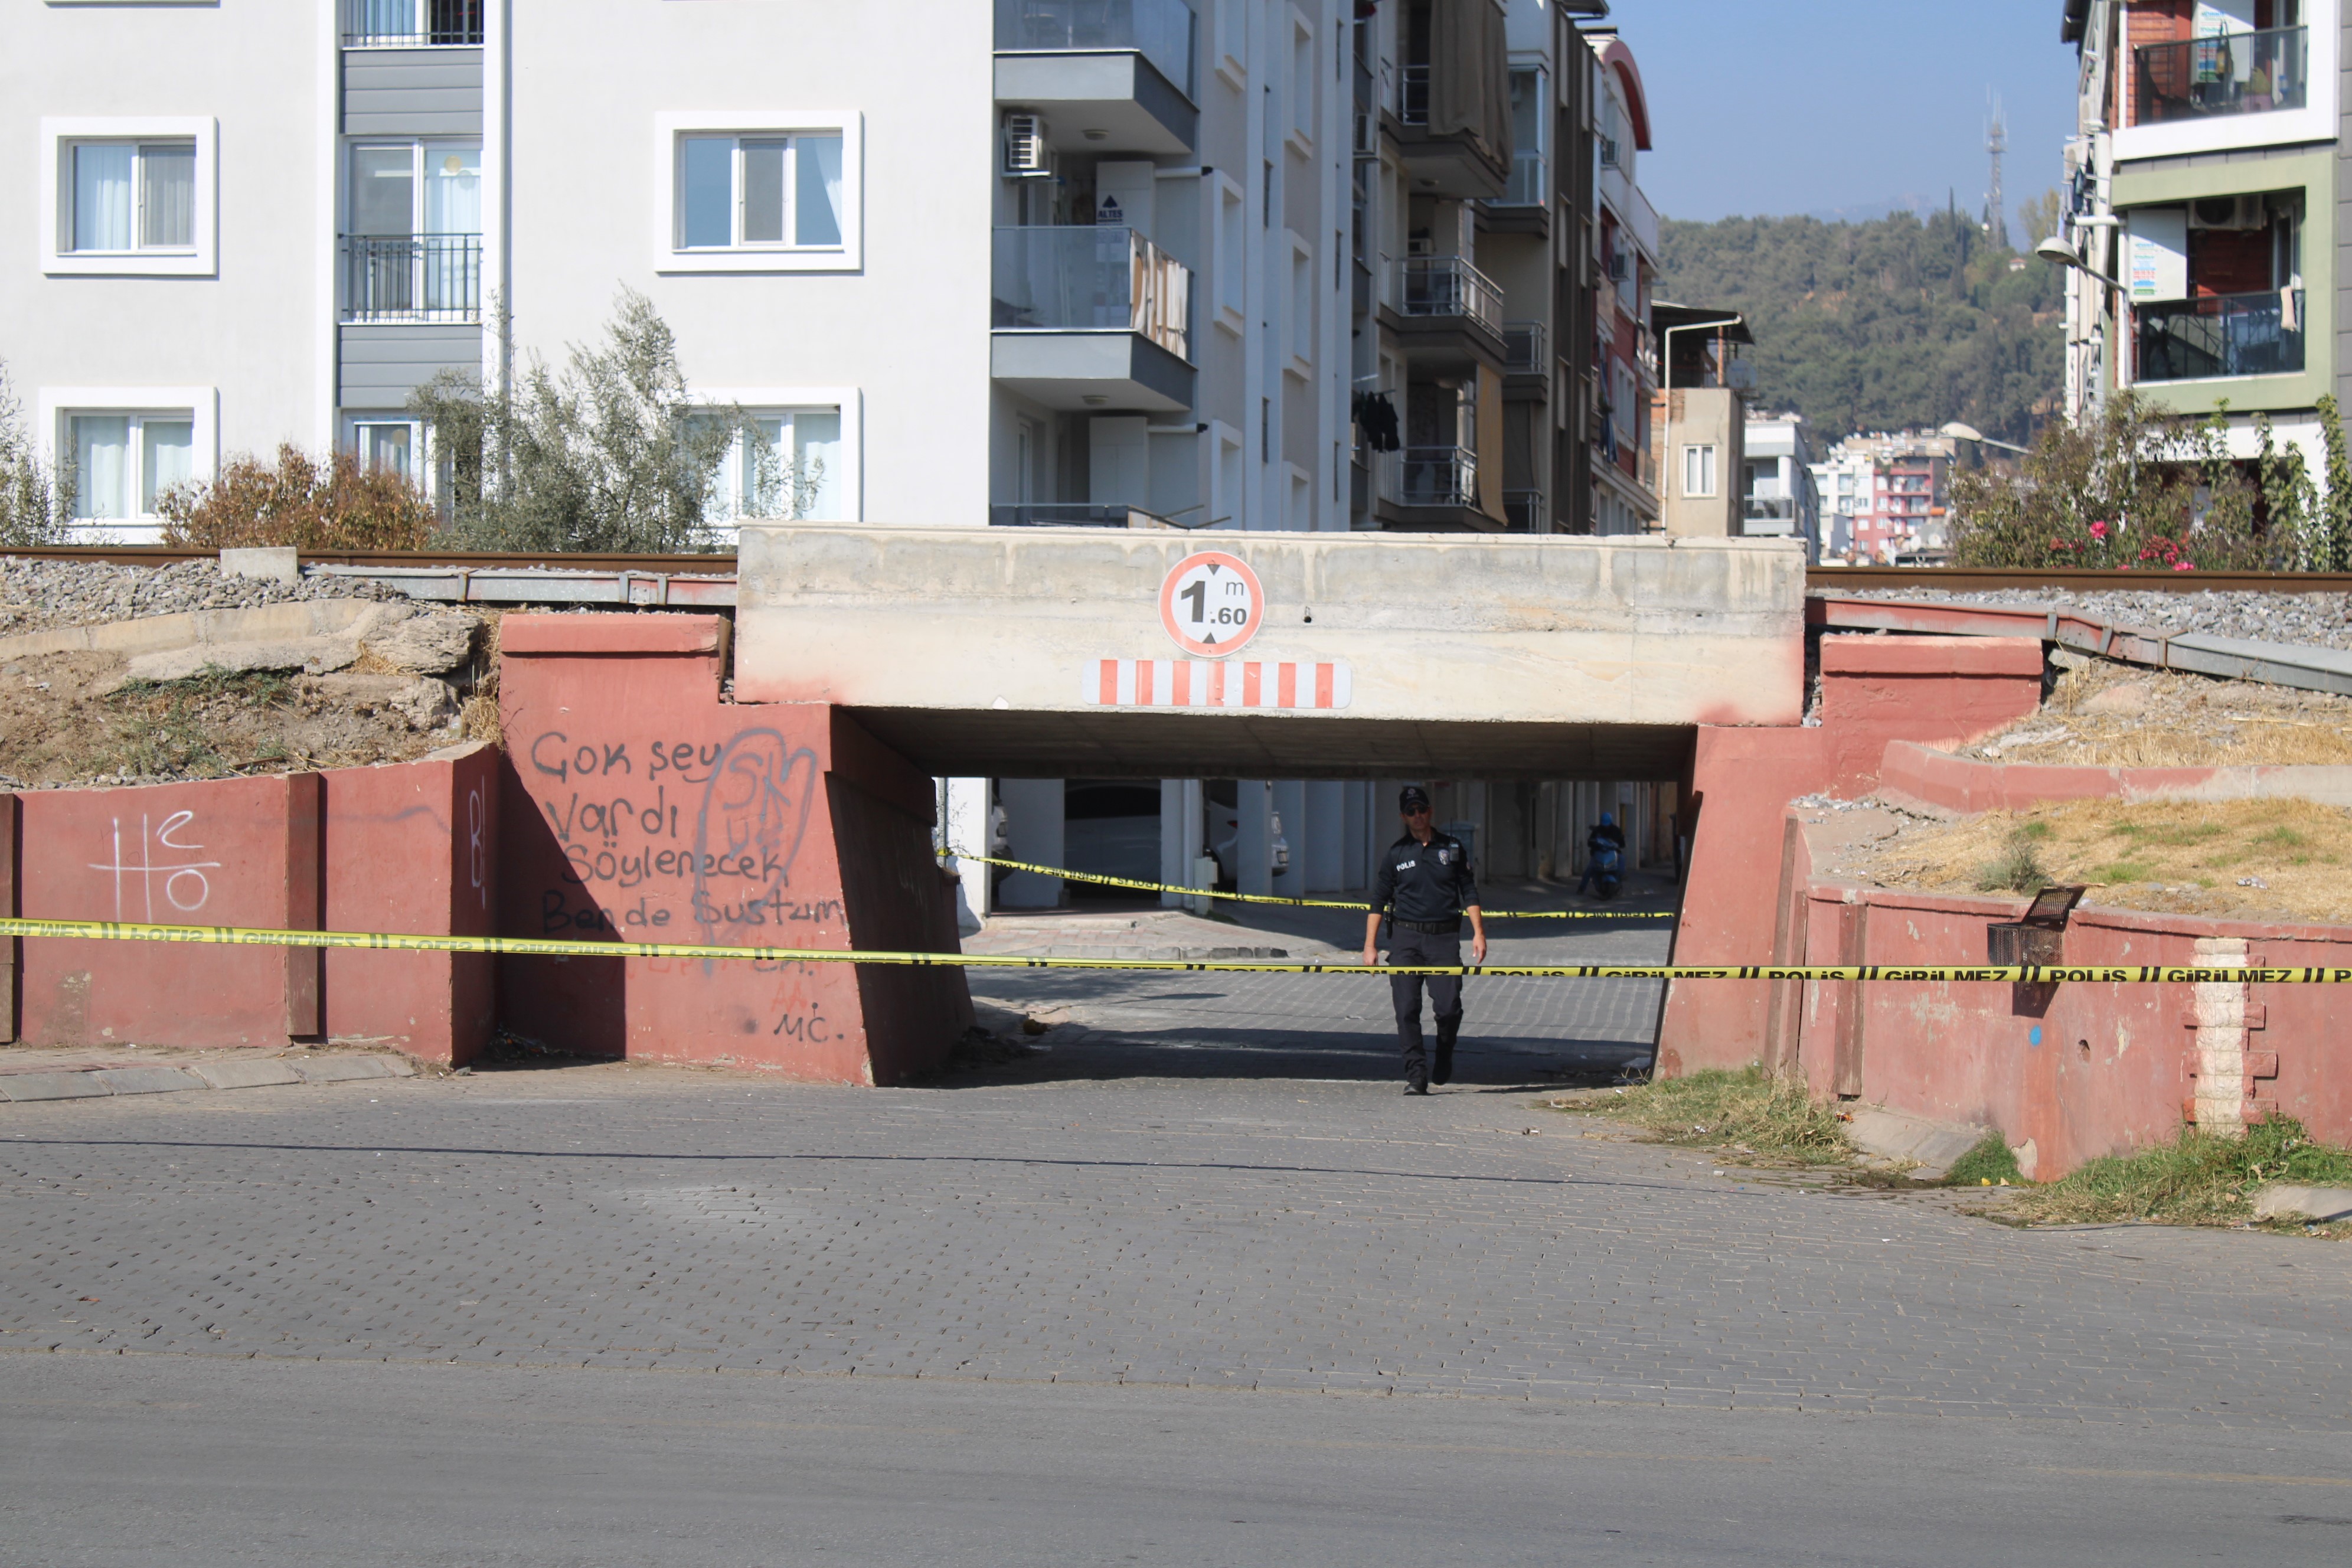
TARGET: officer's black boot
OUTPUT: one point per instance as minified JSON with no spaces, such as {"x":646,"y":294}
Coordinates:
{"x":1416,"y":1060}
{"x":1442,"y":1072}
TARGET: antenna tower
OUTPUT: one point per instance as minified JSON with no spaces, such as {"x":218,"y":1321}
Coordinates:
{"x":1995,"y":220}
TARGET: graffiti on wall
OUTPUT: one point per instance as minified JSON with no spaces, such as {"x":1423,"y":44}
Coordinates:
{"x":662,"y":832}
{"x":185,"y":886}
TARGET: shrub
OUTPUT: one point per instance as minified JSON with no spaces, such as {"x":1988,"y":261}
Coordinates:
{"x":36,"y":498}
{"x":2018,"y":867}
{"x":611,"y":452}
{"x":298,"y":500}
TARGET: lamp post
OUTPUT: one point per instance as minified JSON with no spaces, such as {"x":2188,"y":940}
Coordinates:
{"x":1959,"y":432}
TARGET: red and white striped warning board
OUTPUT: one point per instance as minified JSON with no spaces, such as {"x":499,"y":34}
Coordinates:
{"x":1206,"y":683}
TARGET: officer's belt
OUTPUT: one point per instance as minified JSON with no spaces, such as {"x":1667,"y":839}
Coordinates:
{"x":1431,"y":928}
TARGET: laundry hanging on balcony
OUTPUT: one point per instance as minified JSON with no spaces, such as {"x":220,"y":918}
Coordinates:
{"x":1376,"y":416}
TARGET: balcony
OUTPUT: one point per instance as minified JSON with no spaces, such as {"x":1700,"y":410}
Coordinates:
{"x":2222,"y":335}
{"x":1769,"y":514}
{"x":412,"y":278}
{"x":1073,"y":514}
{"x":1108,"y":76}
{"x":1451,"y":104}
{"x":1429,"y":476}
{"x":1523,"y":348}
{"x":1091,"y":319}
{"x":411,"y":24}
{"x":1530,"y":183}
{"x":1431,"y":286}
{"x":2236,"y":73}
{"x":1523,"y":511}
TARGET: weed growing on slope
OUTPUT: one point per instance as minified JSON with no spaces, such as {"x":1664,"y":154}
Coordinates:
{"x":2199,"y":1178}
{"x":1769,"y":1118}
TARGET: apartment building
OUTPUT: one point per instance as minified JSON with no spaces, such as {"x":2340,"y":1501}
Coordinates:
{"x":1780,"y":498}
{"x":2201,"y":197}
{"x":1886,"y":499}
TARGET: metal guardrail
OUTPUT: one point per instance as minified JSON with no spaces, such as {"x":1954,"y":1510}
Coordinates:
{"x":411,"y":24}
{"x":412,"y":278}
{"x":1523,"y":348}
{"x":1989,"y":579}
{"x":1439,"y":286}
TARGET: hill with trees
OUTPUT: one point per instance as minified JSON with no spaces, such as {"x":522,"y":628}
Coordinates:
{"x":1891,"y":324}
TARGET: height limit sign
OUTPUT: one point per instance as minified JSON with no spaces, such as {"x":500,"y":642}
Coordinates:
{"x":1210,"y":603}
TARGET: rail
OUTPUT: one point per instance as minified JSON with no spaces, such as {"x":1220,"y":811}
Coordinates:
{"x":411,"y":24}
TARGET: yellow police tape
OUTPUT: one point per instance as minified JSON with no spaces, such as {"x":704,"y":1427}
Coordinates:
{"x":1361,"y":909}
{"x":567,"y":947}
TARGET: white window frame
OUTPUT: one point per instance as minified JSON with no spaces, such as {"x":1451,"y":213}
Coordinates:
{"x":1299,"y":127}
{"x":1231,"y":52}
{"x":55,"y":404}
{"x":1228,"y":468}
{"x":851,"y":478}
{"x":1703,"y":452}
{"x":670,"y":253}
{"x":1299,"y":290}
{"x":421,"y":463}
{"x":1228,"y":251}
{"x":58,"y":136}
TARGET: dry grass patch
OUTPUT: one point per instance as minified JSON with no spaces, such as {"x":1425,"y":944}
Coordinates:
{"x":2117,"y":716}
{"x":1769,"y":1119}
{"x":2179,"y":856}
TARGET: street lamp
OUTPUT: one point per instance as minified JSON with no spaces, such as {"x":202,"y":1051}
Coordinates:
{"x":1959,"y":432}
{"x":2056,"y":249}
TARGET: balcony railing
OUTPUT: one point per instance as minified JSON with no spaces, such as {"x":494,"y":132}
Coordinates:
{"x":411,"y":24}
{"x":412,"y":278}
{"x":1412,"y":95}
{"x":1768,"y":509}
{"x":1523,"y":348}
{"x":1077,"y":514}
{"x":1429,"y":476}
{"x":1161,"y":31}
{"x":1530,"y":183}
{"x":2235,"y":73}
{"x":1080,"y":278}
{"x":2226,"y":334}
{"x":1523,"y":511}
{"x":1448,"y":286}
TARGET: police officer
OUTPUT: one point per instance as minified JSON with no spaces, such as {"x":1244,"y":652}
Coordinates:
{"x":1425,"y":885}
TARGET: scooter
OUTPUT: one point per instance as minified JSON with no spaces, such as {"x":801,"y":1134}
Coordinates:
{"x":1606,"y":868}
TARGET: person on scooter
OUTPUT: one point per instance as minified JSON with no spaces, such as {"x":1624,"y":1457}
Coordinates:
{"x":1605,"y":856}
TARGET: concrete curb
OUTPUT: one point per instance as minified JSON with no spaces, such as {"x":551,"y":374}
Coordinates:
{"x":98,"y":1082}
{"x":2317,"y":1203}
{"x":1895,"y":1135}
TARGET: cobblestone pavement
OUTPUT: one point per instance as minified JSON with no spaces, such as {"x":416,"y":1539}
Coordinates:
{"x":1078,"y":1218}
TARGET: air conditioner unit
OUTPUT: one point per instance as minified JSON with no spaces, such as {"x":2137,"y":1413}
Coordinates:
{"x":1026,"y":155}
{"x":2229,"y":212}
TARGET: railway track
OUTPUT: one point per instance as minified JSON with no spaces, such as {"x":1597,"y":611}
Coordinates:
{"x":1818,"y":579}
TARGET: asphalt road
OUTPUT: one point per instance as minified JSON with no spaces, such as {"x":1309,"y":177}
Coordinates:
{"x":1206,"y":1292}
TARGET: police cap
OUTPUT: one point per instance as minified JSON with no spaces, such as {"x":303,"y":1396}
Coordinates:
{"x":1412,"y":795}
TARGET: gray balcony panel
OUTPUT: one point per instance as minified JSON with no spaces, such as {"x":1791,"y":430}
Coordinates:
{"x":1116,"y":91}
{"x":382,"y":365}
{"x":411,"y":93}
{"x":1064,"y":370}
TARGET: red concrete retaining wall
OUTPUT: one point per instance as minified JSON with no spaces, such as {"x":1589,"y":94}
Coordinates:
{"x":638,"y":806}
{"x":2086,"y":1070}
{"x":414,"y":847}
{"x":399,"y":849}
{"x":1875,"y":691}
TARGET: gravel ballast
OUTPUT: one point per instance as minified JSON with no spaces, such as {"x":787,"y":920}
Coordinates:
{"x":39,"y":595}
{"x":2317,"y":620}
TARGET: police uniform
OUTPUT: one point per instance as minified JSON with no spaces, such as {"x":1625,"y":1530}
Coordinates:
{"x":1424,"y":888}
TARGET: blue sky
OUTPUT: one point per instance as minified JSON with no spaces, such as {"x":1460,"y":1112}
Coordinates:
{"x":1773,"y":107}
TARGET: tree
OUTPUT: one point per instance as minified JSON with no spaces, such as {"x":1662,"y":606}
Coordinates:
{"x":611,"y":452}
{"x":2133,"y":490}
{"x":300,"y":500}
{"x":2330,"y":546}
{"x":36,"y":497}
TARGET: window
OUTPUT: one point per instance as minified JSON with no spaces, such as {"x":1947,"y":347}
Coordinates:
{"x":123,"y":462}
{"x":785,"y":463}
{"x":397,"y":444}
{"x":1232,"y":51}
{"x":130,"y":196}
{"x":1302,"y":82}
{"x":381,"y":24}
{"x":413,"y":232}
{"x":778,"y":198}
{"x":797,"y":455}
{"x":1302,"y":306}
{"x":1232,"y":255}
{"x":1698,"y":470}
{"x":1224,"y":475}
{"x":1302,"y":498}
